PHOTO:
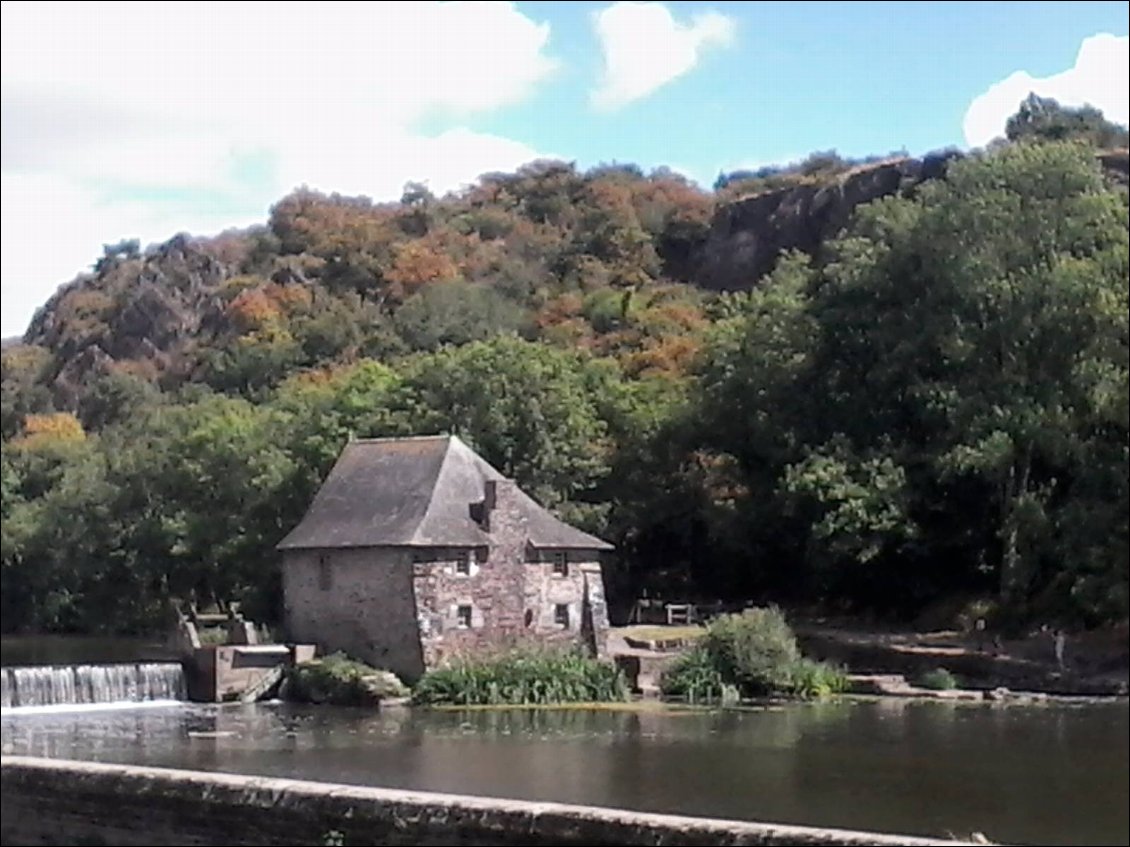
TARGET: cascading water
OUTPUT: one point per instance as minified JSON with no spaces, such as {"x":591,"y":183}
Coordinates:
{"x":89,"y":684}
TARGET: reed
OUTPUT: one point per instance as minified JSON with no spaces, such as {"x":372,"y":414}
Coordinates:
{"x":522,"y":676}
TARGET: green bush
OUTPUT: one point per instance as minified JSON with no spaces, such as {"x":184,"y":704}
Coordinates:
{"x":938,"y":679}
{"x":694,"y":676}
{"x":812,"y":680}
{"x":340,"y":681}
{"x":523,"y":676}
{"x":756,"y":655}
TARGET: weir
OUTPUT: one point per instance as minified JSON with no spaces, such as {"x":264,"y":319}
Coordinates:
{"x":90,"y":684}
{"x":45,"y":801}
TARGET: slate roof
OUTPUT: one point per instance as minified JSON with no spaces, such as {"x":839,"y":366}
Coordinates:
{"x":415,"y":492}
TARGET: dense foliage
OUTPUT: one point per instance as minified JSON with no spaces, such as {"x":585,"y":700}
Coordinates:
{"x":752,"y":654}
{"x":522,"y":676}
{"x":933,"y":406}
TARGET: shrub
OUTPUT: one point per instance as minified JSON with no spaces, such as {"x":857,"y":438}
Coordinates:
{"x":522,"y":676}
{"x":754,"y":654}
{"x":938,"y":679}
{"x":340,"y":681}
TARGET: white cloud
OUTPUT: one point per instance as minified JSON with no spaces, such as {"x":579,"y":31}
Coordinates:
{"x":1100,"y":77}
{"x":645,"y":48}
{"x":114,"y":112}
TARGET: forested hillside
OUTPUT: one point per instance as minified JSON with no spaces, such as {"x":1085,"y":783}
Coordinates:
{"x":867,"y":385}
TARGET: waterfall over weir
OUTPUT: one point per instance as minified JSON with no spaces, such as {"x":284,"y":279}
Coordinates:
{"x":90,"y":684}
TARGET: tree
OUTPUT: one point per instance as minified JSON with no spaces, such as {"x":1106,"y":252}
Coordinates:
{"x":1045,"y":119}
{"x":527,"y":408}
{"x":112,"y":254}
{"x":984,"y":323}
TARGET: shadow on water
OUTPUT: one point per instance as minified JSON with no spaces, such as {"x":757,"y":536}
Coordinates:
{"x":1050,"y":774}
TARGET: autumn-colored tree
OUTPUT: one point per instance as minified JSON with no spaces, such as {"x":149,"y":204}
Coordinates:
{"x":47,"y":429}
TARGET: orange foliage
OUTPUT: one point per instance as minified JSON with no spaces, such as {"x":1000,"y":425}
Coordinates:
{"x":290,"y":296}
{"x":673,"y":355}
{"x":418,"y":263}
{"x":560,"y":310}
{"x":252,"y":308}
{"x":669,"y":318}
{"x":333,"y":226}
{"x":661,"y":199}
{"x":54,"y":428}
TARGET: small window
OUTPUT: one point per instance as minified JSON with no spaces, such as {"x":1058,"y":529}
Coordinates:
{"x":463,"y":617}
{"x":560,"y":563}
{"x":561,"y":615}
{"x":325,"y":574}
{"x":463,"y":563}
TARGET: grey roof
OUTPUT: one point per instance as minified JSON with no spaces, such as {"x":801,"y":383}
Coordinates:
{"x":415,"y":492}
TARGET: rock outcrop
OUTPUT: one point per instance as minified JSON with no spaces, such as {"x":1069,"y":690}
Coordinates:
{"x":749,"y":234}
{"x":141,"y":310}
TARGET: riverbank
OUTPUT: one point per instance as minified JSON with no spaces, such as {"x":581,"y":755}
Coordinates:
{"x":1094,"y":663}
{"x":888,"y":662}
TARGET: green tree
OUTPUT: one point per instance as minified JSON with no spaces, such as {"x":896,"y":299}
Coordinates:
{"x":984,"y":322}
{"x":1045,"y":119}
{"x":528,"y":408}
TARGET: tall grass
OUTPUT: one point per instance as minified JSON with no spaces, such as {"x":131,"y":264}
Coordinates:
{"x":522,"y":676}
{"x":753,"y":654}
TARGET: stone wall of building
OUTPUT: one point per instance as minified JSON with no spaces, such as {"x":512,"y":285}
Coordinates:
{"x":513,"y":591}
{"x":52,"y":802}
{"x":359,"y":601}
{"x":403,"y":608}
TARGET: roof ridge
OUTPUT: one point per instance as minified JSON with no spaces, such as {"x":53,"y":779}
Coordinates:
{"x":391,"y":438}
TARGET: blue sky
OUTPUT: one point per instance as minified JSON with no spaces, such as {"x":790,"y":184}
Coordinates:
{"x":143,"y":120}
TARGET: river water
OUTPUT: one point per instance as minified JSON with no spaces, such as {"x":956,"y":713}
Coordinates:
{"x":1040,"y":774}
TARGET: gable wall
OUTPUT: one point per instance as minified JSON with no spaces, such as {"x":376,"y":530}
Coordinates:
{"x":503,"y":592}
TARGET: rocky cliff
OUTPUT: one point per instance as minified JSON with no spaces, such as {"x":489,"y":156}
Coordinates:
{"x":748,"y":234}
{"x":142,"y":313}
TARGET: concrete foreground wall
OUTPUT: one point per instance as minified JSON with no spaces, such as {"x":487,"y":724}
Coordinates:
{"x":46,"y":801}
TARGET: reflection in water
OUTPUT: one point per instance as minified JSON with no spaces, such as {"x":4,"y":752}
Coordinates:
{"x":1043,"y":774}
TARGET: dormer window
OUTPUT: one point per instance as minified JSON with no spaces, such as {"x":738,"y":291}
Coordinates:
{"x":463,"y":562}
{"x":560,"y":563}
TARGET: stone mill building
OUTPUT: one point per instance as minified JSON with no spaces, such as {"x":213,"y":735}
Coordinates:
{"x":415,"y":549}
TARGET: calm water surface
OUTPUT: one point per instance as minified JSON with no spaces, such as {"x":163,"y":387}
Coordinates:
{"x":1048,"y":774}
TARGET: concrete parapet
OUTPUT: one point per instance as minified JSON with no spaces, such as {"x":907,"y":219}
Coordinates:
{"x":44,"y":801}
